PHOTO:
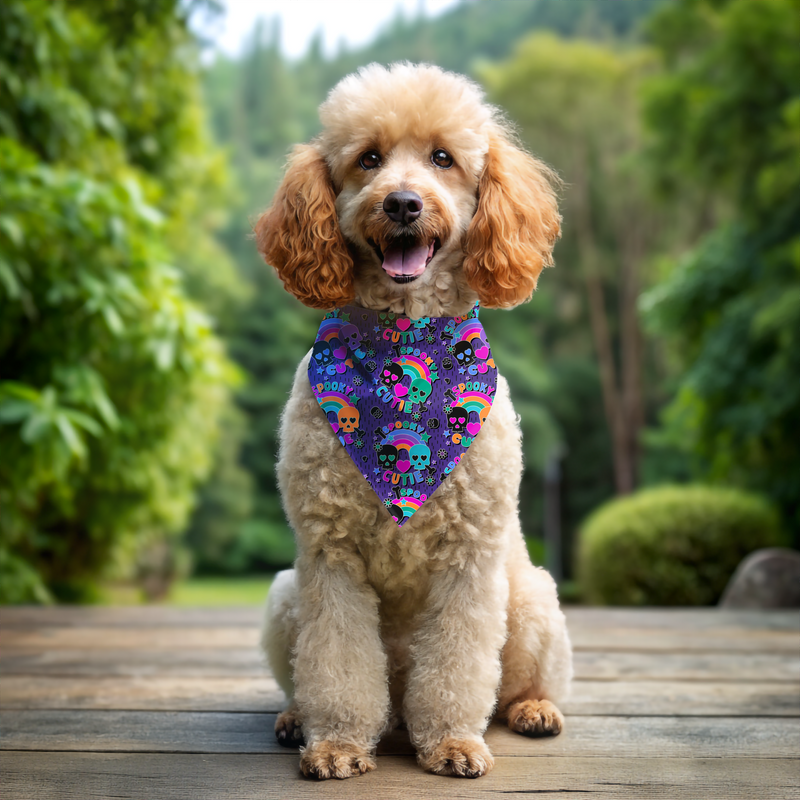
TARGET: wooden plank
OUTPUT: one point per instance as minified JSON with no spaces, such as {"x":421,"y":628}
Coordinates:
{"x":62,"y":776}
{"x":247,"y":661}
{"x":620,"y":698}
{"x":220,"y":732}
{"x":584,"y":637}
{"x":683,"y":698}
{"x":142,"y":693}
{"x":150,"y":616}
{"x":675,"y":619}
{"x":97,"y":638}
{"x":188,"y":662}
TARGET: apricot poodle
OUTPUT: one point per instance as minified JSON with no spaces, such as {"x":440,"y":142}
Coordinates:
{"x":415,"y":199}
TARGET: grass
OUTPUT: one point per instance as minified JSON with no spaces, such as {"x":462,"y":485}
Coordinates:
{"x":248,"y":590}
{"x":245,"y":591}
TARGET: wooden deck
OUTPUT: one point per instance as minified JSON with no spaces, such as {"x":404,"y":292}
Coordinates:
{"x":158,"y":703}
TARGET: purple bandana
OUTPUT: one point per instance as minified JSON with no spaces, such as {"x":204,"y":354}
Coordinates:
{"x":405,"y":397}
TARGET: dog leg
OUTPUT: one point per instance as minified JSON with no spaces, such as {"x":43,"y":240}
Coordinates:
{"x":456,"y":668}
{"x":340,"y":670}
{"x":537,"y":658}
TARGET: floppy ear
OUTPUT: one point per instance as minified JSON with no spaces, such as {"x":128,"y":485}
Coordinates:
{"x":299,"y":234}
{"x":511,"y":237}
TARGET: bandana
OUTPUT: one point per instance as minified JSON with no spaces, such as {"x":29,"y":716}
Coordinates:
{"x":406,"y":397}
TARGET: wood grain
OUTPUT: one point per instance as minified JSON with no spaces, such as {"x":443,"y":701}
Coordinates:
{"x":85,"y":776}
{"x":248,"y":662}
{"x":221,"y":732}
{"x":619,"y":698}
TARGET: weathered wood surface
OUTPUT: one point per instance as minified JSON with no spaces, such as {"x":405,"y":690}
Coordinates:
{"x":174,"y":703}
{"x":619,"y":698}
{"x":247,"y":662}
{"x":85,"y":776}
{"x":223,"y":732}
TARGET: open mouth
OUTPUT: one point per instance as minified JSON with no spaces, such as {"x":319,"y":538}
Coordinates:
{"x":405,"y":258}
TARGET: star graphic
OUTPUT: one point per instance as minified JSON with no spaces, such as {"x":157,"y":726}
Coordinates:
{"x":424,"y":436}
{"x":377,"y":470}
{"x":377,"y":329}
{"x":461,"y":370}
{"x":434,"y":377}
{"x":346,"y":317}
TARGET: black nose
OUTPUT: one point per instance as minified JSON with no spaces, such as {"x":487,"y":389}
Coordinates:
{"x":402,"y":207}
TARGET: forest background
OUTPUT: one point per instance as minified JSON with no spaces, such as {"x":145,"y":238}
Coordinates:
{"x":663,"y":348}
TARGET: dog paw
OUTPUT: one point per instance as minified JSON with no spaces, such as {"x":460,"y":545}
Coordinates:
{"x":535,"y":718}
{"x":463,"y":758}
{"x":325,"y":760}
{"x":288,"y":729}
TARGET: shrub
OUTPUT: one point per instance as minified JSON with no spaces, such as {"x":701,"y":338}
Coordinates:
{"x":675,"y":545}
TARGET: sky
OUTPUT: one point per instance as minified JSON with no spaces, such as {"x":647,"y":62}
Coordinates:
{"x":355,"y":22}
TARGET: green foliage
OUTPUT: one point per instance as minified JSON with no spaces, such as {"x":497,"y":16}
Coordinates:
{"x":671,"y":545}
{"x":111,"y":380}
{"x":728,"y":114}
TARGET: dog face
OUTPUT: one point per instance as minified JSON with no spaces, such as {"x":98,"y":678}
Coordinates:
{"x":414,"y":198}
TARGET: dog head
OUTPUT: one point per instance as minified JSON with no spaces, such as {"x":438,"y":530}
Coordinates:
{"x":415,"y":197}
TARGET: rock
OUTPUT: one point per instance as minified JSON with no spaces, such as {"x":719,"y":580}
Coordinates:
{"x":768,"y":578}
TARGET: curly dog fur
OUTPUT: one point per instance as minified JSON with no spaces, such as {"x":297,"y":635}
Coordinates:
{"x":443,"y":622}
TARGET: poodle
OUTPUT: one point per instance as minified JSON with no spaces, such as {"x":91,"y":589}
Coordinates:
{"x":415,"y":199}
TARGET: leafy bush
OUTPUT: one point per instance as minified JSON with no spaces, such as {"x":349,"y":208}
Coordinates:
{"x":111,"y":379}
{"x":671,"y":545}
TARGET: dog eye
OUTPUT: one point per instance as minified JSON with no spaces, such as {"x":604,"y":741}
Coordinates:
{"x":442,"y":159}
{"x":370,"y":160}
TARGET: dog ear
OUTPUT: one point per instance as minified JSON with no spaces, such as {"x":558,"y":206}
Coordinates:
{"x":299,"y":234}
{"x":511,"y":237}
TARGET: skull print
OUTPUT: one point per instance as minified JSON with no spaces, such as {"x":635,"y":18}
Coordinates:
{"x":350,"y":336}
{"x":322,"y":355}
{"x":387,"y":456}
{"x":457,"y":418}
{"x":419,"y":391}
{"x":464,"y":354}
{"x":391,"y":375}
{"x":348,"y":419}
{"x":420,"y":455}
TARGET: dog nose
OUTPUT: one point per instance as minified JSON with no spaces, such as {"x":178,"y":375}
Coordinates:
{"x":402,"y":207}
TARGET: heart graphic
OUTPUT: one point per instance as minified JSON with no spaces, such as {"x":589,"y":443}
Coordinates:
{"x":473,"y":428}
{"x":400,"y":390}
{"x":340,"y":352}
{"x":482,"y":353}
{"x":335,"y":426}
{"x":404,"y":324}
{"x":403,"y":466}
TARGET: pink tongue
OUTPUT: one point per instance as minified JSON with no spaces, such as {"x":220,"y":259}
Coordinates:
{"x":406,"y":260}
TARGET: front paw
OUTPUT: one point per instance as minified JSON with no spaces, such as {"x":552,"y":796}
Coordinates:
{"x":289,"y":730}
{"x":463,"y":758}
{"x":535,"y":718}
{"x":326,"y":759}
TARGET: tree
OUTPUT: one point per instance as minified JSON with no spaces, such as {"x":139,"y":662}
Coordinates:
{"x":726,"y":112}
{"x":576,"y":105}
{"x":111,"y":379}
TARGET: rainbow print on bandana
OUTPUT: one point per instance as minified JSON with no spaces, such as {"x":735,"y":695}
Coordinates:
{"x":409,"y":505}
{"x":474,"y":401}
{"x":403,"y":439}
{"x":335,"y":402}
{"x":401,"y":390}
{"x":329,"y":329}
{"x":414,"y":367}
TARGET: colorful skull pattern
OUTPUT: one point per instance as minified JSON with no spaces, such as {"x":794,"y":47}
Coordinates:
{"x":406,"y":398}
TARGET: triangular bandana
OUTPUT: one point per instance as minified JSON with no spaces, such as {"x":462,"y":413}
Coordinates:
{"x":405,"y":397}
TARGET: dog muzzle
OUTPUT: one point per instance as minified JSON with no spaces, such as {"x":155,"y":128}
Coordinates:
{"x":406,"y":397}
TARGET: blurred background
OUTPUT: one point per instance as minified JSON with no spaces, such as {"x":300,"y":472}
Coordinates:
{"x":146,"y":351}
